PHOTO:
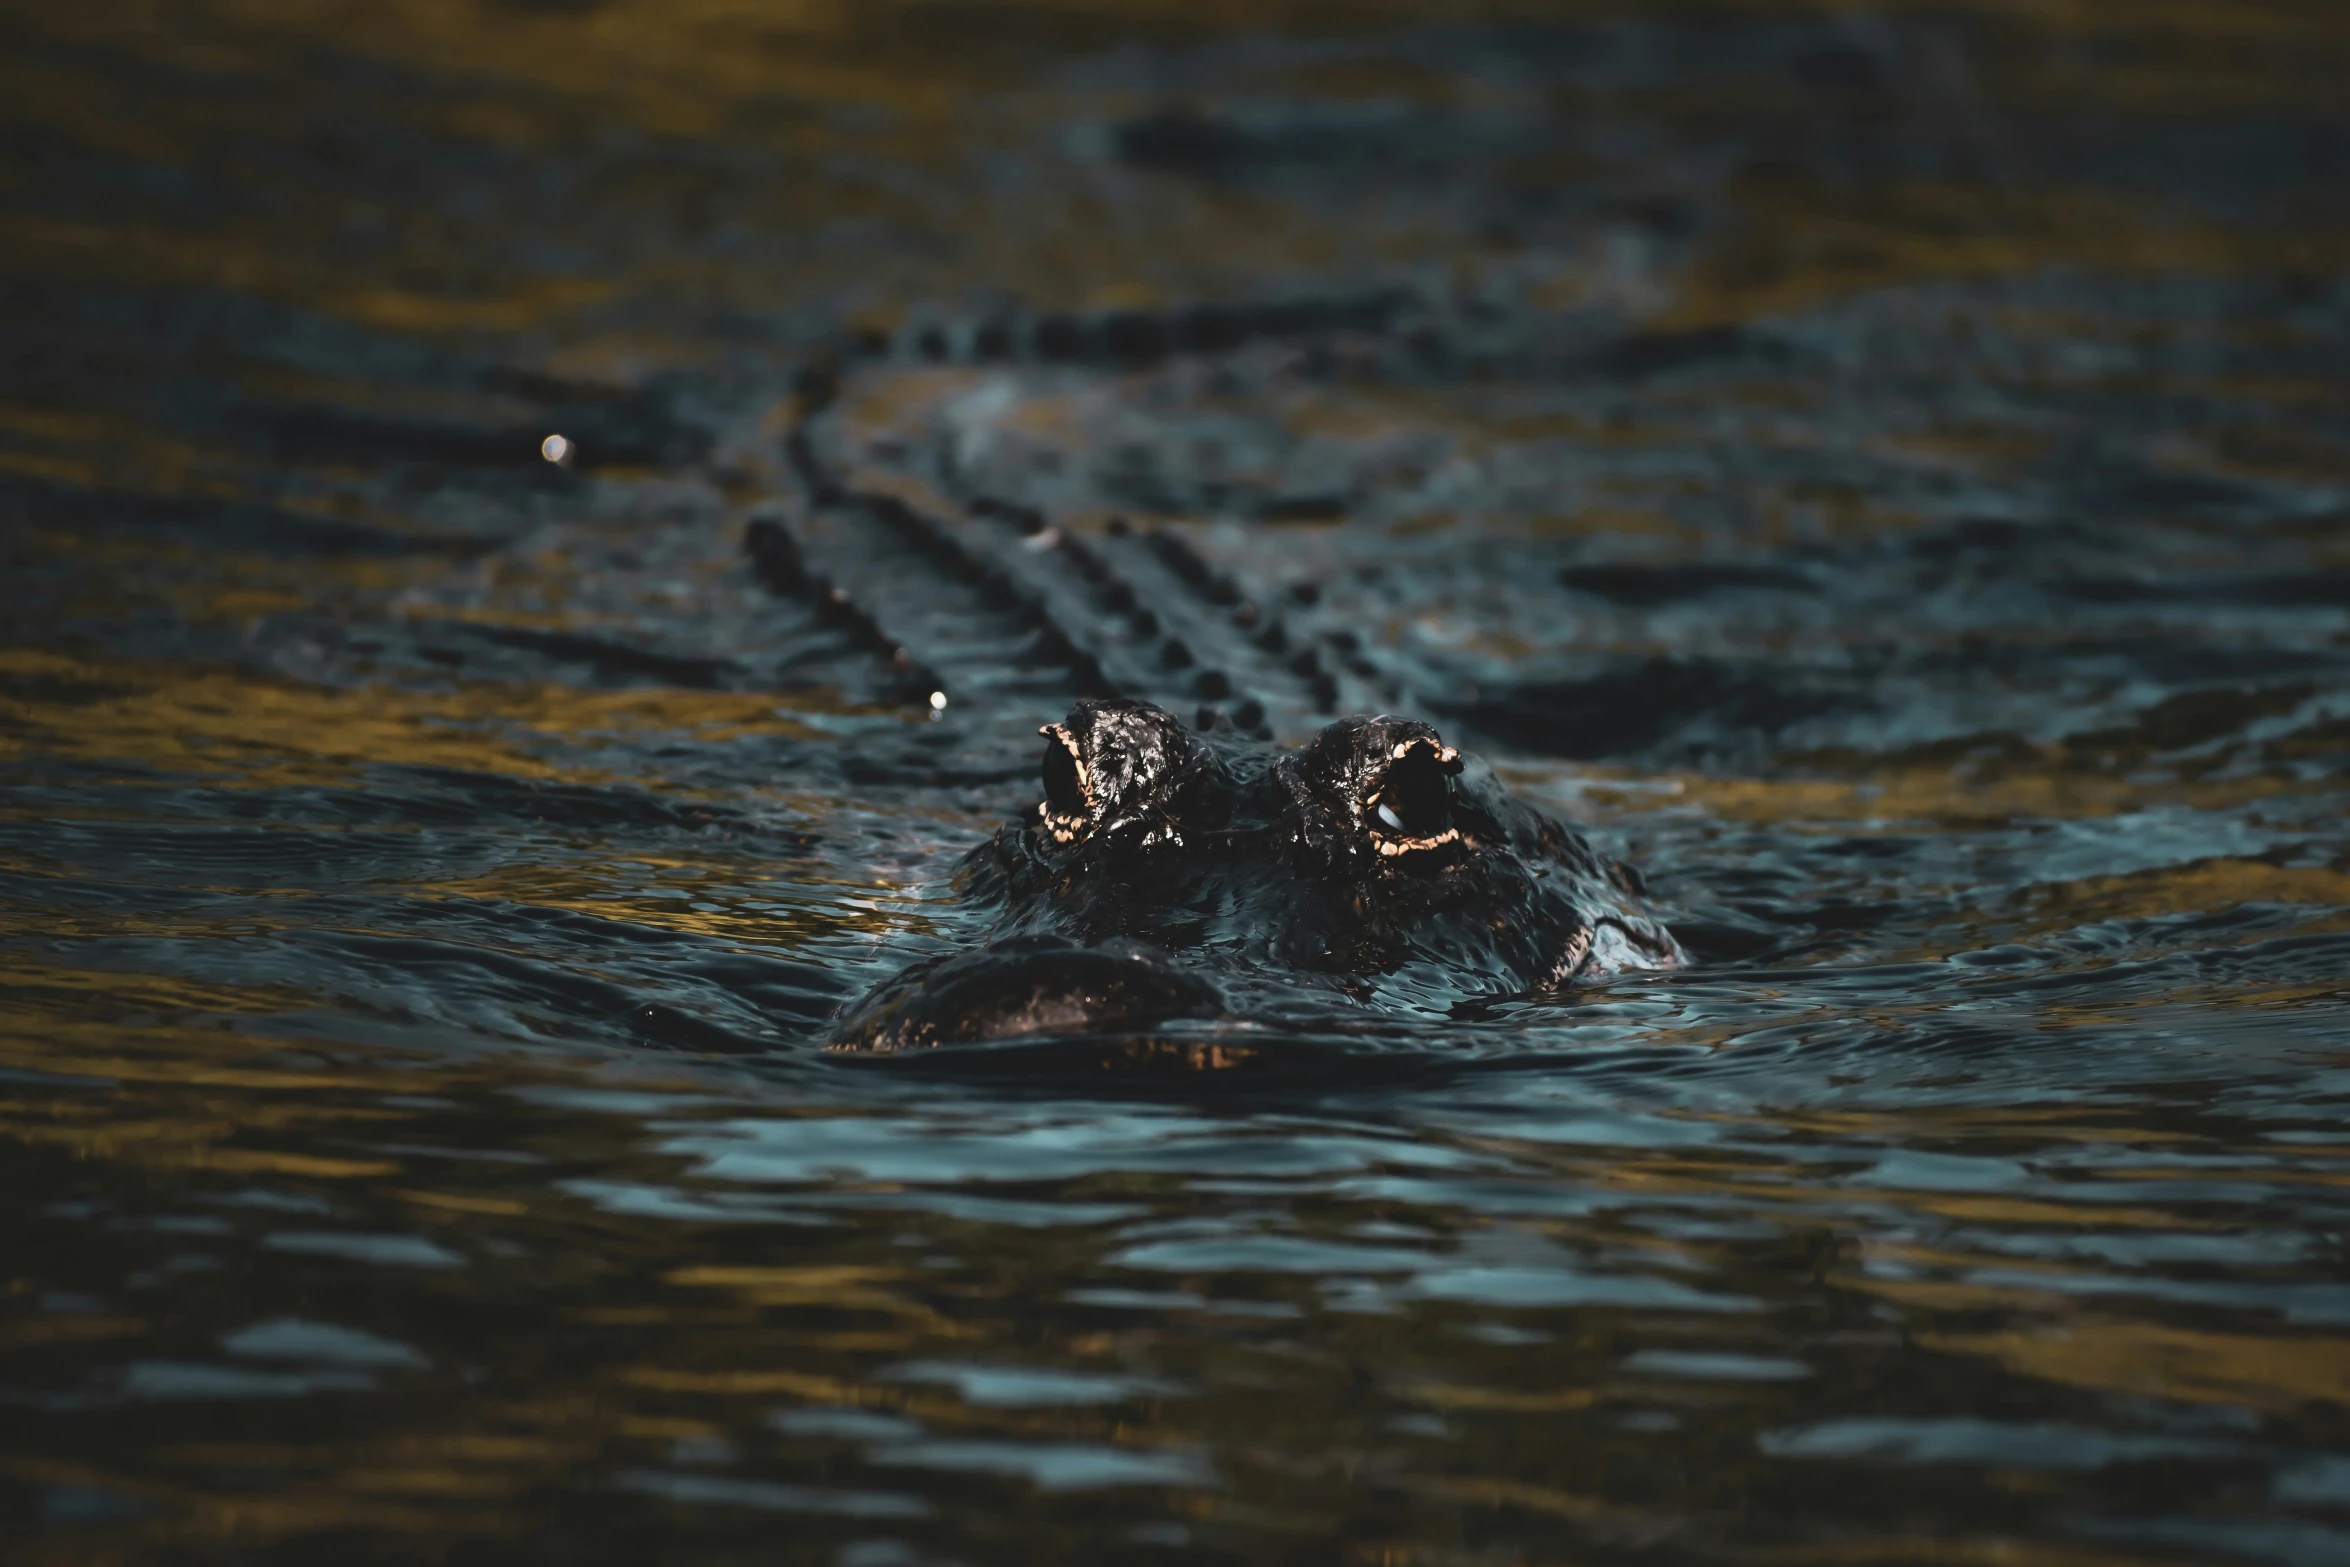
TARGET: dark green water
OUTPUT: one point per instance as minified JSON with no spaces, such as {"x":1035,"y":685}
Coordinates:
{"x":1885,"y":470}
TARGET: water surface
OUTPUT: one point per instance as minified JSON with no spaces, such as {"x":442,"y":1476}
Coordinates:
{"x":1884,"y":470}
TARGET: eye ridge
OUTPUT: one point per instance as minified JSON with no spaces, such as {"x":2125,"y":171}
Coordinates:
{"x":1126,"y":769}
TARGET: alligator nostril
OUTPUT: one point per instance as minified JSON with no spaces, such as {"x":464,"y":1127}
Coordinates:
{"x":1064,"y":790}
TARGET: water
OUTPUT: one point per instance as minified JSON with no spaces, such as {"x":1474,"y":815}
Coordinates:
{"x":1883,"y":471}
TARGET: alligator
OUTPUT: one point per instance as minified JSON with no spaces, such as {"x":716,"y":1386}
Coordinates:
{"x":1375,"y":861}
{"x":1180,"y":864}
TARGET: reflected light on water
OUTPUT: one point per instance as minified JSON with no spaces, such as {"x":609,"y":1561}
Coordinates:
{"x":1880,"y":469}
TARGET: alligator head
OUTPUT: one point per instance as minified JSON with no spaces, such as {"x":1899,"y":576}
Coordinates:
{"x":1166,"y":874}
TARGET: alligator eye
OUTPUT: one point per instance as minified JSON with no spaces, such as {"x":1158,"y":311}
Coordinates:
{"x":1123,"y":768}
{"x":1415,"y":799}
{"x":1410,"y":804}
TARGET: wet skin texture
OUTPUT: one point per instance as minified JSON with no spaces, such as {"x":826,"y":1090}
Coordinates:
{"x":1167,"y":874}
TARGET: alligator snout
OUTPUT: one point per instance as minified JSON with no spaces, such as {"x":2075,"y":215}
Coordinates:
{"x":1027,"y":985}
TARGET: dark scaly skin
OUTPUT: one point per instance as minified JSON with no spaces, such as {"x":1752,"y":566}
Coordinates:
{"x":1169,"y":874}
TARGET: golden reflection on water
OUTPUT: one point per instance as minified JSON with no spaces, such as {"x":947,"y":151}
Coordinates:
{"x":2113,"y":1355}
{"x":1803,"y":244}
{"x":267,"y":734}
{"x":708,"y":898}
{"x":1928,"y":798}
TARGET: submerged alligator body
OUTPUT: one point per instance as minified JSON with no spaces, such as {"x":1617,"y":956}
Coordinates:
{"x":1042,"y":508}
{"x":1167,"y":874}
